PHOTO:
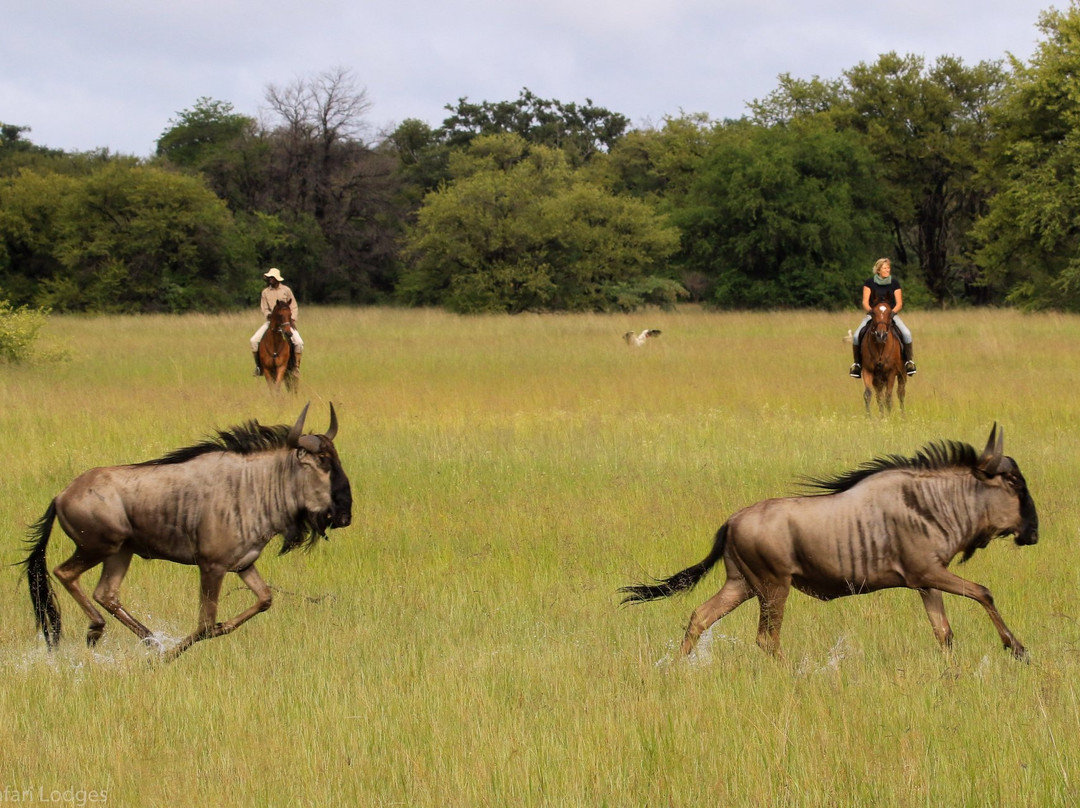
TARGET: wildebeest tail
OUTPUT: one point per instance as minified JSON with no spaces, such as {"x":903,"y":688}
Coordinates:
{"x":46,"y":609}
{"x":680,"y":581}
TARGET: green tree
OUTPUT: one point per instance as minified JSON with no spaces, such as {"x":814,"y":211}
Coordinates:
{"x":197,"y":135}
{"x":929,"y":132}
{"x":1030,"y":236}
{"x":143,"y":239}
{"x":517,"y":229}
{"x":580,"y":131}
{"x":783,"y":216}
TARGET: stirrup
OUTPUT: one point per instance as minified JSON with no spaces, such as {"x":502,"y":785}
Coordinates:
{"x":258,"y":371}
{"x":909,"y":368}
{"x":856,"y":371}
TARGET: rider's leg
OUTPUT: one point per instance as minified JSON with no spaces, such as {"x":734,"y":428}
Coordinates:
{"x":256,"y":338}
{"x":298,"y":347}
{"x":907,"y":347}
{"x":856,"y":369}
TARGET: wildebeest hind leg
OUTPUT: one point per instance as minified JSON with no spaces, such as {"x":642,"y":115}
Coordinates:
{"x":772,"y":602}
{"x":68,"y":574}
{"x":731,"y":594}
{"x":935,"y":610}
{"x":107,"y":592}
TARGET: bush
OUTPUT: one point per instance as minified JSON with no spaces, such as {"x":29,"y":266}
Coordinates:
{"x":19,"y":330}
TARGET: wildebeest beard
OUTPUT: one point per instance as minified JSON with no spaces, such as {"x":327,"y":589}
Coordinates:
{"x":306,"y":531}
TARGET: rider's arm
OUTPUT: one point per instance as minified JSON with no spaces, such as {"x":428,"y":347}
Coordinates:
{"x":264,"y":304}
{"x":899,"y":301}
{"x":865,"y":299}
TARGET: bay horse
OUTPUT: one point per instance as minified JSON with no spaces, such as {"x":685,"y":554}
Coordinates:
{"x":882,"y":359}
{"x":891,"y":522}
{"x":214,"y":505}
{"x":276,"y":350}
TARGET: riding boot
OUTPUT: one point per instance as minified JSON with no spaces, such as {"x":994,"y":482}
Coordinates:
{"x":909,"y":358}
{"x":296,"y":363}
{"x":258,"y":367}
{"x":856,"y":369}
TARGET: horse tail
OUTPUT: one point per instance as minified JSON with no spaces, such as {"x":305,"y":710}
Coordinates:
{"x":680,"y":581}
{"x":46,"y":609}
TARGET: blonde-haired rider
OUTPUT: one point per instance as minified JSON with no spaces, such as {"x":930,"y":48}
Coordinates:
{"x":274,"y":292}
{"x":883,"y":284}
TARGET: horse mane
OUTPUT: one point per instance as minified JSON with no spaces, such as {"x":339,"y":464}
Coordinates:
{"x":247,"y":438}
{"x":932,"y":457}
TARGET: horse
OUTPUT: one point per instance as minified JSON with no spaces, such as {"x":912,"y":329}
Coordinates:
{"x":891,"y":522}
{"x":882,"y":359}
{"x":214,"y":505}
{"x":275,"y":349}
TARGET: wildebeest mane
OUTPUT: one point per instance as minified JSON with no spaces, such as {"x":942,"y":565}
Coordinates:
{"x":932,"y":457}
{"x":247,"y":438}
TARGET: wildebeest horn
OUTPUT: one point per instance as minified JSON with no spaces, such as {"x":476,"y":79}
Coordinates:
{"x":298,"y":428}
{"x":332,"y":431}
{"x":992,"y":457}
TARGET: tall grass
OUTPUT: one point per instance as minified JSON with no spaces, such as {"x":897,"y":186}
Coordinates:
{"x":461,"y":643}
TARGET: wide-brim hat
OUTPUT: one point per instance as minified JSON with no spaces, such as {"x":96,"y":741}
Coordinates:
{"x":273,"y":273}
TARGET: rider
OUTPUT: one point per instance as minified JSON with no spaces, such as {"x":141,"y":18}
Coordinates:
{"x":275,"y":291}
{"x":882,"y":284}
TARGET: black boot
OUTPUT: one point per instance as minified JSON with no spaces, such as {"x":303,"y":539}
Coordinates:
{"x":909,"y":359}
{"x":856,"y":369}
{"x":258,"y":367}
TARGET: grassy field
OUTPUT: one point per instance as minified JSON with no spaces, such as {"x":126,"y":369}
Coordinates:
{"x":461,"y":643}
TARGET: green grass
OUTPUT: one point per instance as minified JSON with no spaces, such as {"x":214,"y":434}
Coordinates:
{"x":462,"y":644}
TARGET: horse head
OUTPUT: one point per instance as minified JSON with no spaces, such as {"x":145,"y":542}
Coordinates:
{"x":881,"y":320}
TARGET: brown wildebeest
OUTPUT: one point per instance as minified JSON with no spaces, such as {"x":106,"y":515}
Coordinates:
{"x":892,"y":522}
{"x":882,"y":359}
{"x":276,"y":356}
{"x":215,"y":505}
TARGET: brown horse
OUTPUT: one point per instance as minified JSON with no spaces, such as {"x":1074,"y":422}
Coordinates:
{"x":882,"y":359}
{"x":275,"y":349}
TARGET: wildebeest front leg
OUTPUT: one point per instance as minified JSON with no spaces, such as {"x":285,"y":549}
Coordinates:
{"x":210,"y":582}
{"x":955,"y":585}
{"x":210,"y":578}
{"x":935,"y":610}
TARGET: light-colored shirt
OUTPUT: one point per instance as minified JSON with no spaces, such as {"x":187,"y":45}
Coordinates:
{"x":271,"y":296}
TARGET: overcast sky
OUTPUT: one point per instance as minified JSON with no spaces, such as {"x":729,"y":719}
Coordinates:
{"x":86,"y":74}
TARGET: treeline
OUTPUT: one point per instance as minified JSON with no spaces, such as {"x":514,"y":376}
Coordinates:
{"x":965,"y":176}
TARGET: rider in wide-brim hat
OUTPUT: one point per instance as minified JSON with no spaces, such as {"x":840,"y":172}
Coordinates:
{"x":274,"y":292}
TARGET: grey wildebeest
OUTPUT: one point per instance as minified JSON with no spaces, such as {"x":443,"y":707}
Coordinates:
{"x":891,"y":522}
{"x":215,"y":505}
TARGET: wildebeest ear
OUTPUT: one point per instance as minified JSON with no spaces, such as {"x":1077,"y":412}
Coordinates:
{"x":297,"y":429}
{"x":331,"y":433}
{"x":991,"y":461}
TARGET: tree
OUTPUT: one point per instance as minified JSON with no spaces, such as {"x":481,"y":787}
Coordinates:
{"x":929,"y":132}
{"x":1030,"y":236}
{"x":782,"y":216}
{"x":582,"y":132}
{"x":196,"y":134}
{"x":517,"y":229}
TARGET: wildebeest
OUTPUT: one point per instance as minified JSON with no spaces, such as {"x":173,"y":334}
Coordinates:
{"x":891,"y":522}
{"x":215,"y":505}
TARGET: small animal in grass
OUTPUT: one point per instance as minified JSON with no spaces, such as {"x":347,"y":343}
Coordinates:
{"x":848,"y":337}
{"x":637,"y":340}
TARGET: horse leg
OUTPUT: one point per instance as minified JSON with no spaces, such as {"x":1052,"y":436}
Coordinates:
{"x":210,"y":578}
{"x":941,"y":578}
{"x":901,"y":387}
{"x":867,"y":393}
{"x":68,"y":574}
{"x":934,"y":604}
{"x":772,"y":600}
{"x":734,"y":592}
{"x":107,"y":592}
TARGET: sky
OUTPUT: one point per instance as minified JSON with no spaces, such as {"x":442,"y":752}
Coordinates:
{"x":113,"y":73}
